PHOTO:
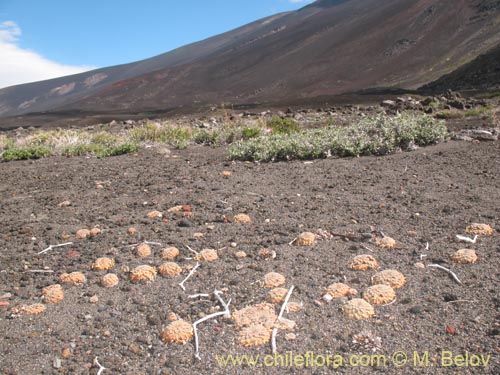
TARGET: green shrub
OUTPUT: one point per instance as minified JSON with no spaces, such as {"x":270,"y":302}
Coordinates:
{"x":100,"y":150}
{"x":479,"y":111}
{"x":249,"y":133}
{"x":25,"y":153}
{"x":280,"y":125}
{"x":5,"y":142}
{"x":447,"y":115}
{"x":177,"y":136}
{"x":377,"y":135}
{"x":125,"y":148}
{"x":206,"y":137}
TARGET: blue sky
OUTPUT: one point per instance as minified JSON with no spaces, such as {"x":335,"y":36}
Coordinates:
{"x":41,"y":39}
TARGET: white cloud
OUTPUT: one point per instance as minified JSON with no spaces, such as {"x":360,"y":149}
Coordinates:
{"x":18,"y":65}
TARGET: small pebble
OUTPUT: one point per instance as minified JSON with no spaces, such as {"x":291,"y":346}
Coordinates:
{"x":184,"y":223}
{"x":94,"y":299}
{"x":290,"y":336}
{"x":56,"y":363}
{"x":66,"y":353}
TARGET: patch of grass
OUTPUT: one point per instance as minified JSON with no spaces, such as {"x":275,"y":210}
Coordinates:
{"x":178,"y":136}
{"x":280,"y":125}
{"x":479,"y":111}
{"x":377,"y":135}
{"x":5,"y":142}
{"x":249,"y":133}
{"x":449,"y":114}
{"x":490,"y":95}
{"x":25,"y":153}
{"x":207,"y":137}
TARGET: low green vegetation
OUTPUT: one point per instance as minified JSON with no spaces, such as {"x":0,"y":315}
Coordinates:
{"x":280,"y":125}
{"x":66,"y":143}
{"x":377,"y":135}
{"x":177,"y":136}
{"x":483,"y":111}
{"x":25,"y":153}
{"x":449,"y":114}
{"x":256,"y":139}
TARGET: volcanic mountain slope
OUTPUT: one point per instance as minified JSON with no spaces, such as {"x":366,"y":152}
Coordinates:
{"x":481,"y":73}
{"x":326,"y":48}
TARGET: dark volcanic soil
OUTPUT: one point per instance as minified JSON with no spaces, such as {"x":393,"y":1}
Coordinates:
{"x":429,"y":195}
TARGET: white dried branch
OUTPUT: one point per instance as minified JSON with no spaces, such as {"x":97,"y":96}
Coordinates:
{"x":199,"y":295}
{"x":467,"y":239}
{"x":192,"y":250}
{"x":101,"y":367}
{"x":217,"y":294}
{"x":367,"y":248}
{"x":181,"y":284}
{"x":224,"y":313}
{"x":292,"y":241}
{"x":283,"y":307}
{"x":54,"y":246}
{"x":390,"y":303}
{"x":446,"y":270}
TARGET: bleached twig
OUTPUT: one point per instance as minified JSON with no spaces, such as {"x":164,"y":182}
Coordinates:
{"x":390,"y":303}
{"x":54,"y":246}
{"x":198,"y":295}
{"x":293,"y":241}
{"x":422,"y":256}
{"x":467,"y":239}
{"x":192,"y":250}
{"x":181,"y":284}
{"x":283,"y":307}
{"x":446,"y":270}
{"x":367,"y":248}
{"x":101,"y":367}
{"x":217,"y":294}
{"x":224,"y":313}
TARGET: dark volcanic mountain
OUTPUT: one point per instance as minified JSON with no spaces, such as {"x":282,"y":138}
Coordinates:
{"x":326,"y":48}
{"x":481,"y":73}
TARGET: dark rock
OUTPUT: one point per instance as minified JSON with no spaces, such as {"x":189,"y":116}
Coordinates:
{"x":185,"y":223}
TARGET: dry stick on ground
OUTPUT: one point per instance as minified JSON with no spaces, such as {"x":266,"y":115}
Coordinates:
{"x":181,"y":284}
{"x":283,"y":307}
{"x":367,"y":248}
{"x":467,"y":239}
{"x":199,"y":295}
{"x":192,"y":250}
{"x":349,"y":236}
{"x":101,"y":367}
{"x":40,"y":271}
{"x":54,"y":246}
{"x":446,"y":270}
{"x":226,"y":313}
{"x":145,"y":242}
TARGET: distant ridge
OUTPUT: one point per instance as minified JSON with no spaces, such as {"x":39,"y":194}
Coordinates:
{"x":323,"y":49}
